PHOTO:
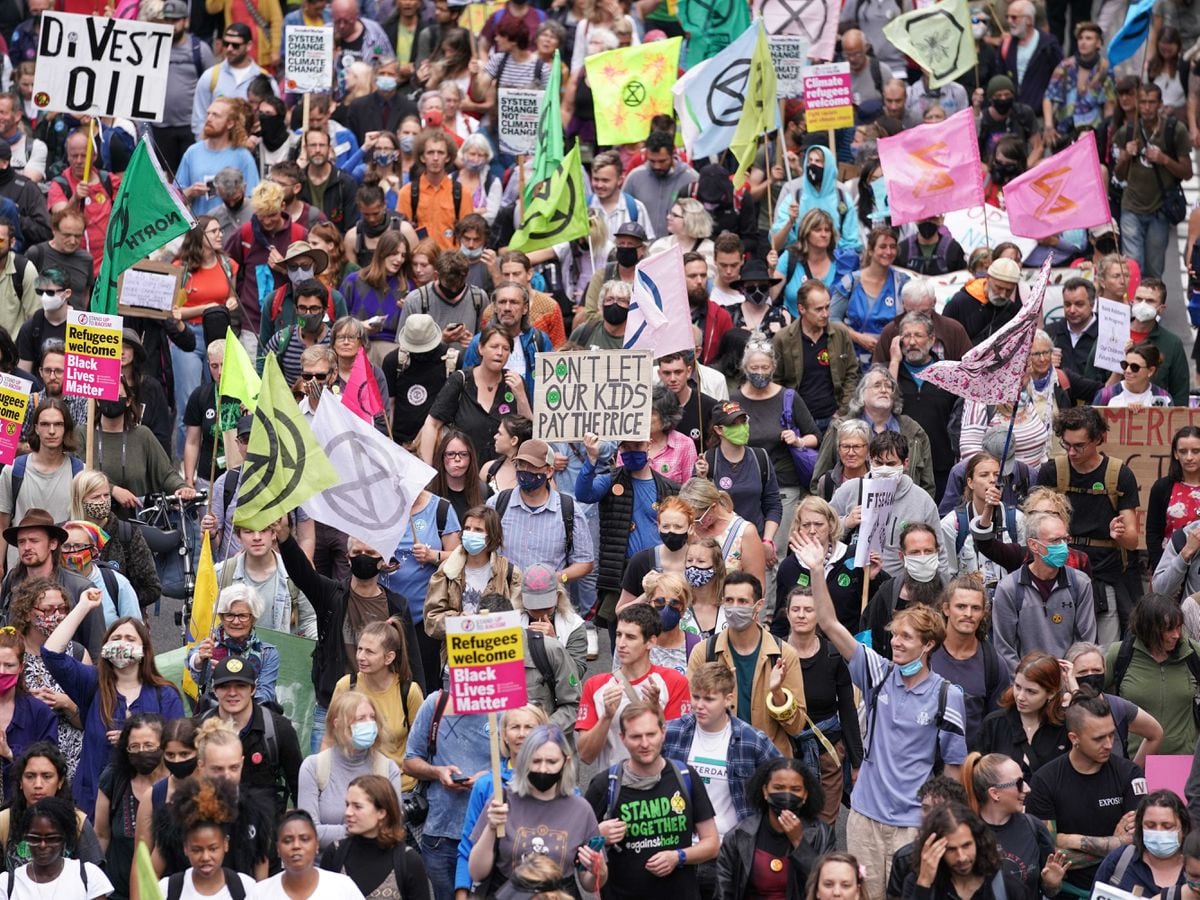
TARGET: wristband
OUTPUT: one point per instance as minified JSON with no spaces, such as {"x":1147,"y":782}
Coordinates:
{"x":769,"y":541}
{"x":682,"y":858}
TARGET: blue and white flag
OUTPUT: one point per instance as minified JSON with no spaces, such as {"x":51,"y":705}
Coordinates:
{"x":660,"y":319}
{"x":1133,"y":34}
{"x":709,"y":99}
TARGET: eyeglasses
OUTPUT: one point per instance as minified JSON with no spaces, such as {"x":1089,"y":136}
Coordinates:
{"x":309,"y":310}
{"x":1019,"y":784}
{"x":48,"y":839}
{"x":660,"y":602}
{"x":309,"y":376}
{"x":1075,"y":448}
{"x":457,"y":454}
{"x":346,"y":339}
{"x":853,"y":448}
{"x":52,"y":610}
{"x":236,"y":617}
{"x":75,"y":548}
{"x":52,"y":372}
{"x":1127,"y":366}
{"x":1040,"y":354}
{"x":234,"y":45}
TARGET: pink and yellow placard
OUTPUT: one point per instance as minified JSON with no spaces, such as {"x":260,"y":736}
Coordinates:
{"x":14,"y":401}
{"x":93,"y":356}
{"x":486,"y":655}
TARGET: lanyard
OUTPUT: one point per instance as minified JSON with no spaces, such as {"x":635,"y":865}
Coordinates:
{"x":100,"y":447}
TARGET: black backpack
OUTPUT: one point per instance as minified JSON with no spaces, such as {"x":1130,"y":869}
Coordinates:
{"x":233,"y":884}
{"x":939,"y":720}
{"x":566,"y":507}
{"x":455,"y":193}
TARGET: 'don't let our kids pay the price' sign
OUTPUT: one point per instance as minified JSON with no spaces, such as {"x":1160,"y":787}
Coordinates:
{"x":93,"y":368}
{"x":486,"y":655}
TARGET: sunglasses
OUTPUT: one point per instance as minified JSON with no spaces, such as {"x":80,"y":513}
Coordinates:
{"x":1019,"y":784}
{"x":1127,"y":366}
{"x":46,"y":292}
{"x":309,"y":376}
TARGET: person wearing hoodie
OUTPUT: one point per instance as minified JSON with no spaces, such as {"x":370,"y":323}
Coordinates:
{"x":660,"y":179}
{"x":910,"y":504}
{"x":986,"y":304}
{"x":818,"y":190}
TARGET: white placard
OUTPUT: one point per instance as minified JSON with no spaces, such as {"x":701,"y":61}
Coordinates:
{"x":967,"y":227}
{"x":102,"y":66}
{"x":877,"y":497}
{"x":1113,"y":333}
{"x":308,"y":59}
{"x":517,"y":113}
{"x":789,"y":52}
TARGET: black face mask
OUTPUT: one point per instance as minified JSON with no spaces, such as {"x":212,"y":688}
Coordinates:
{"x":927,"y":230}
{"x":1093,"y":681}
{"x":1003,"y":173}
{"x":146,"y":761}
{"x":7,"y":174}
{"x":364,"y":567}
{"x":673,"y":540}
{"x":1002,"y":105}
{"x":615,"y":314}
{"x":273,"y":130}
{"x":781,"y":800}
{"x":1088,"y":62}
{"x":182,"y":768}
{"x":816,"y":174}
{"x":112,"y":409}
{"x":375,"y":230}
{"x":543,"y":781}
{"x":627,"y":257}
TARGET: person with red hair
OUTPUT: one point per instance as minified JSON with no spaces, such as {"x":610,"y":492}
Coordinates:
{"x":1028,"y":727}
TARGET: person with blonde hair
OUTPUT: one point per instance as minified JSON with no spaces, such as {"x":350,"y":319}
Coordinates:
{"x":741,"y":546}
{"x":484,"y":189}
{"x":671,"y":596}
{"x":126,"y":549}
{"x":704,"y":571}
{"x":817,"y":519}
{"x":355,"y":738}
{"x":690,"y":228}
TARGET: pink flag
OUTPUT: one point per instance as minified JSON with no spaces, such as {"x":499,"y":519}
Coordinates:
{"x":992,"y":372}
{"x":1064,"y":191}
{"x":659,"y":316}
{"x":361,"y":395}
{"x":932,"y":169}
{"x":814,"y":20}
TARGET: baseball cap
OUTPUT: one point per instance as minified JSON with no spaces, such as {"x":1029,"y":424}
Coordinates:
{"x":539,"y":589}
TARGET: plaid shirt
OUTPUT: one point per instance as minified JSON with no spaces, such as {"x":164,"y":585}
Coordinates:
{"x":749,"y":748}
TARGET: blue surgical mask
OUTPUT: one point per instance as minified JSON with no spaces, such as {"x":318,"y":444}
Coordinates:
{"x":1056,"y":555}
{"x":670,"y":618}
{"x":406,"y":142}
{"x":1161,"y":844}
{"x":911,"y":668}
{"x":474,"y":542}
{"x":471,"y":252}
{"x":385,"y":83}
{"x":634,"y":460}
{"x":363,"y":734}
{"x":879,"y":192}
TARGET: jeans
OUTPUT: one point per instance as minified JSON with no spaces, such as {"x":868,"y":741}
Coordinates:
{"x":190,"y":371}
{"x":1144,"y":237}
{"x":318,"y":728}
{"x":441,"y":858}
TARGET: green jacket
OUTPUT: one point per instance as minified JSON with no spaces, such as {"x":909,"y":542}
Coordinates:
{"x":843,"y":361}
{"x":920,"y":457}
{"x":1164,"y":691}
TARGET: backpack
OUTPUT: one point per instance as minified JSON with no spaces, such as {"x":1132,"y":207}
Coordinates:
{"x":12,"y":875}
{"x":614,"y":785}
{"x":566,"y":508}
{"x":630,"y":207}
{"x":710,"y":647}
{"x":342,"y":850}
{"x":963,"y":527}
{"x":21,"y":464}
{"x":394,"y":221}
{"x":538,"y":71}
{"x":455,"y":193}
{"x":423,"y":300}
{"x":18,"y":277}
{"x":404,"y":685}
{"x":761,"y":461}
{"x":1062,"y":479}
{"x":233,"y":884}
{"x":535,"y":643}
{"x":939,"y":720}
{"x":65,"y":186}
{"x":325,"y":767}
{"x":1125,"y":657}
{"x":196,"y":63}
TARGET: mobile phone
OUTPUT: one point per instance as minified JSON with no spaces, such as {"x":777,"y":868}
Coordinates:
{"x":459,"y":777}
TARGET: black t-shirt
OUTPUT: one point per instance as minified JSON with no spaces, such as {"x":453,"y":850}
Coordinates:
{"x":1024,"y":845}
{"x":638,"y":567}
{"x":1085,"y":804}
{"x":661,"y":818}
{"x":845,"y":589}
{"x":816,"y":384}
{"x":1091,"y":512}
{"x":689,"y":424}
{"x":201,"y":412}
{"x":413,"y":389}
{"x":457,"y":403}
{"x":1020,"y":121}
{"x":34,"y":334}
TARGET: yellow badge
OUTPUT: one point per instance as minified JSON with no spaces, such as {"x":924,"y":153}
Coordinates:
{"x":1056,"y":618}
{"x":233,"y":665}
{"x":677,"y":804}
{"x":777,"y":865}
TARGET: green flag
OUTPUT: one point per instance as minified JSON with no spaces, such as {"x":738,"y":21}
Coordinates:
{"x":558,"y":210}
{"x":712,"y":25}
{"x":144,"y":874}
{"x":238,"y":378}
{"x":145,"y":215}
{"x":758,"y":112}
{"x":937,"y":38}
{"x":549,"y":151}
{"x":284,"y":463}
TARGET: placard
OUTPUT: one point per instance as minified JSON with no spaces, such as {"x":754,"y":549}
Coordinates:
{"x":93,"y":368}
{"x":308,"y":59}
{"x":789,"y":53}
{"x":103,"y":66}
{"x":486,"y":656}
{"x":606,"y":392}
{"x":517,"y":114}
{"x":14,"y":402}
{"x":149,"y":289}
{"x":828,"y":99}
{"x":1112,"y":335}
{"x":878,"y":495}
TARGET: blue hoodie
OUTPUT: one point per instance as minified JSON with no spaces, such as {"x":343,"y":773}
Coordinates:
{"x":828,"y":198}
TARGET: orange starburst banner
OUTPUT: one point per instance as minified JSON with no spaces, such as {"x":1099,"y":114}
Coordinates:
{"x":632,"y":85}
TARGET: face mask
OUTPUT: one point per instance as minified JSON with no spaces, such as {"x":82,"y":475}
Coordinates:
{"x":310,"y":324}
{"x":886,"y":471}
{"x":1161,"y":843}
{"x":406,"y":143}
{"x":1096,"y":682}
{"x":816,"y":174}
{"x":781,"y":800}
{"x":77,"y":561}
{"x":385,"y":159}
{"x":474,"y":542}
{"x":543,"y":781}
{"x":295,"y":276}
{"x":471,"y":252}
{"x":673,"y":540}
{"x":1003,"y":173}
{"x":1087,"y":62}
{"x":921,"y":568}
{"x":979,"y":30}
{"x":47,"y":624}
{"x":363,"y":734}
{"x":738,"y":435}
{"x":145,"y":761}
{"x":530,"y":482}
{"x":1002,"y":105}
{"x":1144,"y":312}
{"x":670,"y":618}
{"x":1056,"y":555}
{"x":739,"y":618}
{"x":53,"y":303}
{"x":9,"y":681}
{"x":927,"y":230}
{"x":121,"y":653}
{"x":910,"y":669}
{"x":756,"y":294}
{"x":112,"y":409}
{"x":627,"y":257}
{"x":364,"y":567}
{"x":182,"y":768}
{"x":475,"y":165}
{"x":97,"y":511}
{"x":698,"y":577}
{"x":385,"y":83}
{"x":759,"y":380}
{"x":615,"y":314}
{"x":634,"y":460}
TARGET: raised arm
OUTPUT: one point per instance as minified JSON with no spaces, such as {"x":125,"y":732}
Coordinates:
{"x":812,"y":554}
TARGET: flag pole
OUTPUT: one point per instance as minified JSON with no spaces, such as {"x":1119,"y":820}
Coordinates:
{"x":90,"y":451}
{"x":787,"y":166}
{"x":87,"y":160}
{"x":767,"y":152}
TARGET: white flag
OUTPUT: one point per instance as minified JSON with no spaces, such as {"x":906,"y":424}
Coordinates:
{"x":380,"y":480}
{"x":660,"y":319}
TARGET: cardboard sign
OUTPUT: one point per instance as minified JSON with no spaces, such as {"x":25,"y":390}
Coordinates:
{"x":149,"y":289}
{"x":607,"y":392}
{"x":102,"y":66}
{"x":486,"y":655}
{"x":517,"y":112}
{"x":308,"y":59}
{"x":1112,"y":334}
{"x":828,"y":99}
{"x":93,"y":356}
{"x":14,"y":401}
{"x":788,"y":53}
{"x":878,"y":495}
{"x":1168,"y":773}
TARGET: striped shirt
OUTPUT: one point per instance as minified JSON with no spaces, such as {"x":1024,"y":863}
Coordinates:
{"x":535,"y":535}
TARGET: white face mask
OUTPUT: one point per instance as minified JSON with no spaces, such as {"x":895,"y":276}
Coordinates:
{"x":921,"y":568}
{"x":55,"y":303}
{"x":979,"y":30}
{"x":886,"y":471}
{"x":1144,"y":312}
